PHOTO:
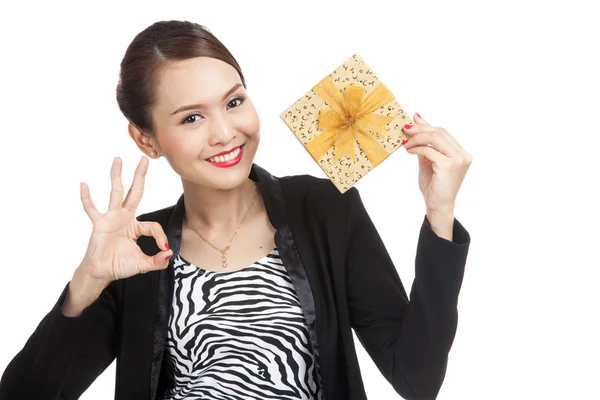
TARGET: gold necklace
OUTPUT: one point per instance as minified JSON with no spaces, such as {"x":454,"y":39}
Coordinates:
{"x":226,"y":248}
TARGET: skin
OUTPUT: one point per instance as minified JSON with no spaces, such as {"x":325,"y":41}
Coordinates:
{"x":216,"y":199}
{"x":443,"y":164}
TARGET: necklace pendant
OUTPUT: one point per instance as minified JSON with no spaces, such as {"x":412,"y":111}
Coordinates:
{"x":224,"y":260}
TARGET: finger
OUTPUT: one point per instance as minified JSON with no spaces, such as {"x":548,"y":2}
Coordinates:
{"x":136,"y":191}
{"x":460,"y":151}
{"x":419,"y":120}
{"x":116,"y":193}
{"x":154,"y":229}
{"x":88,"y":205}
{"x":444,"y":135}
{"x":159,"y":261}
{"x":430,"y":153}
{"x":430,"y":135}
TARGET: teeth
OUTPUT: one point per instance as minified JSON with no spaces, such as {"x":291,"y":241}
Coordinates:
{"x":226,"y":157}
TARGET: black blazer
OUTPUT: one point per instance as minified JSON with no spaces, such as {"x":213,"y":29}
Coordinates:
{"x":344,"y":279}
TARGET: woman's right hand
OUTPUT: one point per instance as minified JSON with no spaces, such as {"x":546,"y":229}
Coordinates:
{"x":112,"y":251}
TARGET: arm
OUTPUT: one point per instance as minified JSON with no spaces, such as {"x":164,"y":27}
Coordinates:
{"x":408,"y":341}
{"x":64,"y":355}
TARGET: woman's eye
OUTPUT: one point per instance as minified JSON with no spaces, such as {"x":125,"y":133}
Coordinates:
{"x":190,"y":119}
{"x":236,"y":102}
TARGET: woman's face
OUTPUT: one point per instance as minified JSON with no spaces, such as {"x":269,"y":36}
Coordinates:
{"x":202,"y":111}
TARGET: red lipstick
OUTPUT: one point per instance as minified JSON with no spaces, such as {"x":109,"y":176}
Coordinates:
{"x":228,"y":163}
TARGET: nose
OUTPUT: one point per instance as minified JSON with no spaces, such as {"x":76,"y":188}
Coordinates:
{"x":221,"y":130}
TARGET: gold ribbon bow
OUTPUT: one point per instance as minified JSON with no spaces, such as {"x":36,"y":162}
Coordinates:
{"x":351,"y":118}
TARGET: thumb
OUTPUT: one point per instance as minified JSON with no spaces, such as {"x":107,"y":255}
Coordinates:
{"x":160,"y":260}
{"x":419,"y":120}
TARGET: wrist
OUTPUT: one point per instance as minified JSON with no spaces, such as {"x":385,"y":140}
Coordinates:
{"x":83,"y":291}
{"x":87,"y":282}
{"x":441,"y":223}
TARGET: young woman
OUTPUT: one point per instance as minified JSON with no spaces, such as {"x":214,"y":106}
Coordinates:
{"x":249,"y":287}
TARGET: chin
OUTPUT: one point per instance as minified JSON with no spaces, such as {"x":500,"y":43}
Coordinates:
{"x":227,"y":178}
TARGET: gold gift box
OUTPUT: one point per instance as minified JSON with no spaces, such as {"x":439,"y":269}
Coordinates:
{"x":349,"y":122}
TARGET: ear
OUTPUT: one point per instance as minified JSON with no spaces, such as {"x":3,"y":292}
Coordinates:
{"x":143,"y":141}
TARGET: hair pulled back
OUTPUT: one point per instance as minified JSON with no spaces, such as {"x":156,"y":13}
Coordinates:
{"x":152,"y":49}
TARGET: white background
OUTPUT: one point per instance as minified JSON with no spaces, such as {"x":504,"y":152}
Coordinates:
{"x":515,"y":82}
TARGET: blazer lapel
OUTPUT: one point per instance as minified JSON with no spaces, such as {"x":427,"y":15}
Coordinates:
{"x":271,"y":191}
{"x":173,"y":230}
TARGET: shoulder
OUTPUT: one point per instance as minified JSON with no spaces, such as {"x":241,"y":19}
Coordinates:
{"x":311,"y":185}
{"x":318,"y":194}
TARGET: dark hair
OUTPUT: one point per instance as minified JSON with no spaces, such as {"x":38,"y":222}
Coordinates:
{"x":149,"y":51}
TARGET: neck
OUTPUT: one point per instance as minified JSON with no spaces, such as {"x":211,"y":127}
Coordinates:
{"x":216,"y":209}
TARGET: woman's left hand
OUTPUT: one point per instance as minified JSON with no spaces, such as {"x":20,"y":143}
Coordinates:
{"x":443,"y":164}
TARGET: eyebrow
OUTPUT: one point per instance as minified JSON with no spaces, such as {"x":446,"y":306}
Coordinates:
{"x":193,"y":106}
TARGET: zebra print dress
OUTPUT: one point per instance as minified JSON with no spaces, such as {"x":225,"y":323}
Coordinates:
{"x":238,"y":335}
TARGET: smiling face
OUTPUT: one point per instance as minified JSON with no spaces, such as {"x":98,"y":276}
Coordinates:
{"x":205,"y":125}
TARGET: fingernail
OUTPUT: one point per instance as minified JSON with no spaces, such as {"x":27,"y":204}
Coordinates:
{"x":418,"y":115}
{"x":167,"y":246}
{"x":407,"y":126}
{"x":404,"y":142}
{"x":166,"y":258}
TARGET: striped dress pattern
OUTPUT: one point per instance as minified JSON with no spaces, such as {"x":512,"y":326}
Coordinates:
{"x":236,"y":335}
